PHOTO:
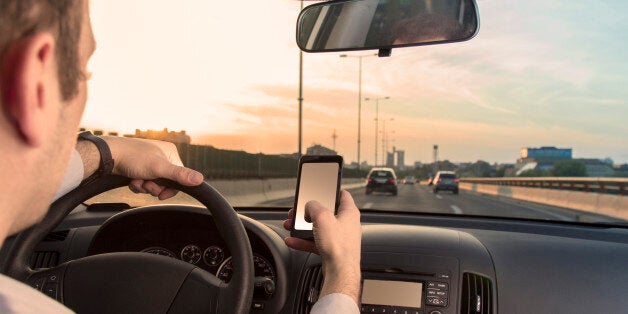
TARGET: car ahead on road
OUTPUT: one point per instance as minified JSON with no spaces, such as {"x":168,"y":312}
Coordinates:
{"x":446,"y":180}
{"x":409,"y":180}
{"x":537,"y":72}
{"x":381,"y":180}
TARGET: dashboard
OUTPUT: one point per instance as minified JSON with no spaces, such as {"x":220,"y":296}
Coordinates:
{"x":411,"y":262}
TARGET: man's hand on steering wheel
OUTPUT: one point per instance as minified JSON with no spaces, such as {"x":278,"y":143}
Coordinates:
{"x":143,"y":161}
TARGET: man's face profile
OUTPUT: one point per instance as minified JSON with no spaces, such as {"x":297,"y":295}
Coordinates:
{"x":45,"y":48}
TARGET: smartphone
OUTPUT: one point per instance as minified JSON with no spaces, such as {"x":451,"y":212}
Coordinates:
{"x":318,"y":179}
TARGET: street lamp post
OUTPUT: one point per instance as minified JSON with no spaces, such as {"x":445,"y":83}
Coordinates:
{"x":376,"y":120}
{"x":359,"y":97}
{"x":385,"y":141}
{"x":300,"y":99}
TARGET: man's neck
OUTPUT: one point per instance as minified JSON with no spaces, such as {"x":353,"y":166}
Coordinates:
{"x":4,"y":230}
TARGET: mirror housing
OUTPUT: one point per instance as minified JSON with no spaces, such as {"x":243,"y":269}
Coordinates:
{"x":346,"y":25}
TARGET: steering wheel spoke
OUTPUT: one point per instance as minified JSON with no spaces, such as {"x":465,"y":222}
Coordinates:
{"x":49,"y":281}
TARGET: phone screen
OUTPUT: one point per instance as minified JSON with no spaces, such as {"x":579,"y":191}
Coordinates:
{"x":318,"y":182}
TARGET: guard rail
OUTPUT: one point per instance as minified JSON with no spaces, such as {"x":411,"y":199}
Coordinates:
{"x":615,"y":186}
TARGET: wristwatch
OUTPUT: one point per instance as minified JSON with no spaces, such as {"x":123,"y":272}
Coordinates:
{"x":106,"y":161}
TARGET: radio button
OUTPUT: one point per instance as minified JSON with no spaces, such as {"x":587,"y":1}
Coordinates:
{"x":443,"y":276}
{"x":409,"y":310}
{"x":367,"y":309}
{"x":436,"y":301}
{"x":437,"y":285}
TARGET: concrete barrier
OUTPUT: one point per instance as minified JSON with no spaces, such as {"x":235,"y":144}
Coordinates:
{"x":237,"y":192}
{"x":605,"y":204}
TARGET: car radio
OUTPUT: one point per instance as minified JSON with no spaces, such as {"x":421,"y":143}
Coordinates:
{"x":405,"y":293}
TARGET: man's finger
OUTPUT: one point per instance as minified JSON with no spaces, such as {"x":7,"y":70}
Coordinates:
{"x":287,"y":224}
{"x":346,"y":200}
{"x":183,"y":175}
{"x":347,"y":205}
{"x":312,"y":210}
{"x":136,"y":186}
{"x":152,"y":188}
{"x":133,"y":189}
{"x":167,"y":193}
{"x":301,"y":245}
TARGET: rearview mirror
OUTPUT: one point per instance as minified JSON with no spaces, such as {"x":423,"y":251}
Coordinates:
{"x":385,"y":24}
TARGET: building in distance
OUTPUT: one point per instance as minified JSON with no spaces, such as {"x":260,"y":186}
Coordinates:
{"x":163,"y":135}
{"x":318,"y":149}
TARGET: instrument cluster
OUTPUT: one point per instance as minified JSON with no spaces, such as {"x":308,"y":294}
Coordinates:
{"x":217,"y":261}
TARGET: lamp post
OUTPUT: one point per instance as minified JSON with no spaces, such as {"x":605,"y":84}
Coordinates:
{"x":300,"y":97}
{"x":376,"y":120}
{"x":385,"y":140}
{"x":359,"y":96}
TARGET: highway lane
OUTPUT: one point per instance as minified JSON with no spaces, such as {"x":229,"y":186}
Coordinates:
{"x":420,"y":198}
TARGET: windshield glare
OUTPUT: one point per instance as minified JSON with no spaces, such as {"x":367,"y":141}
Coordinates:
{"x":528,"y":114}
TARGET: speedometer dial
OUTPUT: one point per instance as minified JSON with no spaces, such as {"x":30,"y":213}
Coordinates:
{"x":191,"y":254}
{"x":262,"y":269}
{"x":213,"y":255}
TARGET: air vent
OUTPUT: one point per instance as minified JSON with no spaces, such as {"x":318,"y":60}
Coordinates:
{"x":57,"y":236}
{"x":477,"y":295}
{"x":310,"y":287}
{"x":44,"y":259}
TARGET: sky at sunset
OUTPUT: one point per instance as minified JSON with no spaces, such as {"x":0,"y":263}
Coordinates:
{"x":538,"y":74}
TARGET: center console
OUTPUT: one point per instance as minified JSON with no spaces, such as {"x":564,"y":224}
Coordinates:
{"x":407,"y":288}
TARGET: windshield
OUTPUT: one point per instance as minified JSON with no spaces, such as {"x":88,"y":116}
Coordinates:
{"x":527,"y":116}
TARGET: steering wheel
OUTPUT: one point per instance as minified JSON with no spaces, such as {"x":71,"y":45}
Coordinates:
{"x":130,"y":282}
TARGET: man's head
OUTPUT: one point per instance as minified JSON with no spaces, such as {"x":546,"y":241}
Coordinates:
{"x":45,"y":46}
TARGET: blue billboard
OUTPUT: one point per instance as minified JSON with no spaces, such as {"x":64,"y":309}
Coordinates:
{"x":546,"y":152}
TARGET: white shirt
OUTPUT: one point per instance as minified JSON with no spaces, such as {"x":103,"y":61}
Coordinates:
{"x":335,"y":303}
{"x":16,"y":297}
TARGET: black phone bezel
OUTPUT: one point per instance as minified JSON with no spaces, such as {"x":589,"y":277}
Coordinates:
{"x":308,"y":234}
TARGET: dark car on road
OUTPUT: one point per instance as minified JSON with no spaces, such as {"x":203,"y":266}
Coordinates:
{"x":446,"y":180}
{"x":381,"y":180}
{"x":409,"y":180}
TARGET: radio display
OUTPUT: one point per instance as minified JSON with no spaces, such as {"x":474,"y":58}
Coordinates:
{"x":392,"y":293}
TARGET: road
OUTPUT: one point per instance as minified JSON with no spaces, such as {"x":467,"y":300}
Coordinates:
{"x":419,"y":198}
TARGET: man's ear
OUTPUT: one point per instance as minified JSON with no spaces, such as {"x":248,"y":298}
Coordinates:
{"x":27,"y":78}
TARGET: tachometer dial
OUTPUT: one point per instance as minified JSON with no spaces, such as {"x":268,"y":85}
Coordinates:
{"x":262,"y":269}
{"x":158,"y":251}
{"x":191,"y":254}
{"x":213,"y":256}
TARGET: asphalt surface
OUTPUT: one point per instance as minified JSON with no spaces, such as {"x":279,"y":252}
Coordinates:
{"x":420,"y":198}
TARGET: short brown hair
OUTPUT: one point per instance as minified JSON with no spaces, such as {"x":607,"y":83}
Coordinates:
{"x":23,"y":18}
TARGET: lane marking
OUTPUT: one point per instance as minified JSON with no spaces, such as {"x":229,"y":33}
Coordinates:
{"x":515,"y":203}
{"x":456,"y":209}
{"x":439,"y":197}
{"x":367,"y":205}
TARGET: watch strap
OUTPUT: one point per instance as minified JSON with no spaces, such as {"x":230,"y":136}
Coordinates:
{"x":106,"y":161}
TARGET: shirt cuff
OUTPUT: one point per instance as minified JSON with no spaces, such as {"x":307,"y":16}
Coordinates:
{"x":73,"y":175}
{"x":335,"y":303}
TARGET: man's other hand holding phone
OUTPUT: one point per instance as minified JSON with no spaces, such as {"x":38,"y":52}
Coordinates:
{"x":337,"y":239}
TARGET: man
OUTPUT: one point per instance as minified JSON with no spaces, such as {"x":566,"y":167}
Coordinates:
{"x":44,"y":50}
